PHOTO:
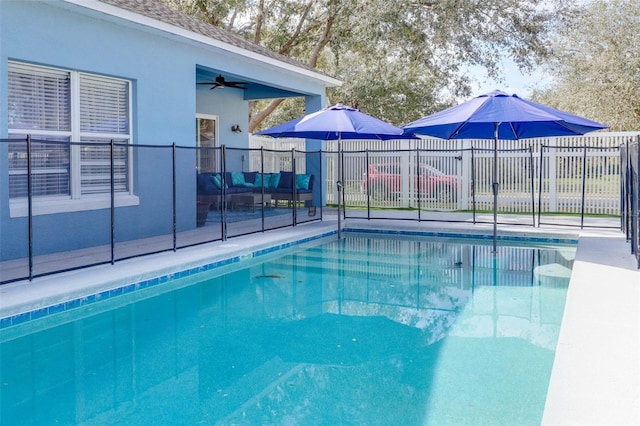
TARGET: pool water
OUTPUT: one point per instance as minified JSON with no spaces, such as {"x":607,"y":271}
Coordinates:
{"x":363,"y":330}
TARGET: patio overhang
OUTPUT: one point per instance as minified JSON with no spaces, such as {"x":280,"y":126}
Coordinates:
{"x":255,"y":88}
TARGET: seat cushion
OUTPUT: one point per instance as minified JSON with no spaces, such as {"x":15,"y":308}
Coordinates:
{"x":239,"y":189}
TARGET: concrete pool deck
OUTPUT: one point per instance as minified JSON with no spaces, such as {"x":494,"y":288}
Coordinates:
{"x":596,"y":373}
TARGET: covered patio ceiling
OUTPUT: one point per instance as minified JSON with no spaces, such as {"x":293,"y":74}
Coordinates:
{"x":254,"y":89}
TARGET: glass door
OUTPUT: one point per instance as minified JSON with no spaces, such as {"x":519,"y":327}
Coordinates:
{"x":207,"y":137}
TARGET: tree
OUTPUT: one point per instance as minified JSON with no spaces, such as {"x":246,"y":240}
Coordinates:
{"x":398,"y":59}
{"x":596,"y":64}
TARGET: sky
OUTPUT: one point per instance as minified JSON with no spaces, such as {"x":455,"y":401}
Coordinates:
{"x":514,"y":81}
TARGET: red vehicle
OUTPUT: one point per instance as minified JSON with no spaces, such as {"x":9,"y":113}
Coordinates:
{"x":385,"y":182}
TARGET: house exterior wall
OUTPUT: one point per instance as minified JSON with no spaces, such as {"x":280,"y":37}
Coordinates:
{"x":165,"y":100}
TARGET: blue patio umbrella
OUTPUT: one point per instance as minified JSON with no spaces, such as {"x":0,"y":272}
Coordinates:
{"x":498,"y":115}
{"x":337,"y":122}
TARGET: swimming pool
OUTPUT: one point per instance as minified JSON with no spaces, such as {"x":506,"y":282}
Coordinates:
{"x":365,"y":330}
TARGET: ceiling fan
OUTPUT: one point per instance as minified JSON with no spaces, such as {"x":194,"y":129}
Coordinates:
{"x":221,"y":83}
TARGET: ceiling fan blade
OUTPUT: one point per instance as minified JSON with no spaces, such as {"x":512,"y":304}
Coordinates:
{"x":221,"y":83}
{"x":237,"y":85}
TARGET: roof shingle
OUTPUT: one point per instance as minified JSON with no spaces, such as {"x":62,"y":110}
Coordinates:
{"x":157,"y":10}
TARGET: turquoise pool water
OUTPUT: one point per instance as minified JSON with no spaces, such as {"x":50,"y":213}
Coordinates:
{"x":364,"y":330}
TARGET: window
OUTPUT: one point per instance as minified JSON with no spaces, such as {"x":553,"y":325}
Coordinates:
{"x":56,"y":107}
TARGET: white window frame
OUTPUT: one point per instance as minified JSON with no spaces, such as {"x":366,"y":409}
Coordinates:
{"x":42,"y":205}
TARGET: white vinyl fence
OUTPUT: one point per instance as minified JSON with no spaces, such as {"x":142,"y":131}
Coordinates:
{"x":552,"y":174}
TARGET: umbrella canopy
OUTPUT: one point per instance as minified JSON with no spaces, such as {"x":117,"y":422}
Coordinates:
{"x":335,"y":123}
{"x":515,"y":117}
{"x":498,"y":115}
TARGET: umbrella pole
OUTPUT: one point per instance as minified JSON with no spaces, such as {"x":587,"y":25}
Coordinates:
{"x":495,"y":187}
{"x":339,"y":182}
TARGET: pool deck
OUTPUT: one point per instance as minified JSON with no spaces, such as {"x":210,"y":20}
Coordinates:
{"x":596,"y":373}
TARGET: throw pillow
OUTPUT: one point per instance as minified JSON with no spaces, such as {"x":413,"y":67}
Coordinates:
{"x":302,"y":181}
{"x":262,"y":178}
{"x":237,"y":178}
{"x":217,"y":181}
{"x":274,"y":180}
{"x":286,"y":180}
{"x":250,"y":177}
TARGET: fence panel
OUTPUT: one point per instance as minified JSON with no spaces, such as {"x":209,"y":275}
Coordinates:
{"x":154,"y":173}
{"x":602,"y":183}
{"x":387,"y":181}
{"x":354,"y":170}
{"x":309,"y":175}
{"x":92,"y":227}
{"x":482,"y":176}
{"x":210,"y":197}
{"x":630,"y":198}
{"x":244,"y":209}
{"x":331,"y":177}
{"x":557,"y":163}
{"x":436,"y":180}
{"x":635,"y":198}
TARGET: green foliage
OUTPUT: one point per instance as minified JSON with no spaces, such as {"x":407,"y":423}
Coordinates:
{"x":596,"y":64}
{"x":400,"y":59}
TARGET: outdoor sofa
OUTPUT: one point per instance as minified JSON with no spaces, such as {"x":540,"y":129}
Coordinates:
{"x":281,"y":186}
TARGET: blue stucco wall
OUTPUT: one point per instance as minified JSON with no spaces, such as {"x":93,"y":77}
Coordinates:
{"x":165,"y":102}
{"x":163,"y":106}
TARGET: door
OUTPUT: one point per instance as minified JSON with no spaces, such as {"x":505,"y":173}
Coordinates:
{"x":208,"y":159}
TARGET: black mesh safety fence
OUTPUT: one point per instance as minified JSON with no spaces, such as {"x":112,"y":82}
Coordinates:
{"x":630,"y":194}
{"x":577,"y":180}
{"x":78,"y":204}
{"x":71,"y":205}
{"x":421,"y":182}
{"x":563,"y":185}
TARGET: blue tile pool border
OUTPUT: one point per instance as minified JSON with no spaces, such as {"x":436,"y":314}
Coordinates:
{"x":466,"y":236}
{"x":23,"y":317}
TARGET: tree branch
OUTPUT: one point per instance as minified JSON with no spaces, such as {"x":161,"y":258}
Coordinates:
{"x":232,"y":20}
{"x":324,"y":39}
{"x":286,"y":48}
{"x":259,"y":21}
{"x":204,"y":14}
{"x":260,"y":116}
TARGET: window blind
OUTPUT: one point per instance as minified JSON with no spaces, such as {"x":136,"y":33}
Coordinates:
{"x":104,"y":110}
{"x":104,"y":105}
{"x":41,"y":101}
{"x":39,"y":98}
{"x":49,"y":168}
{"x":95,"y":167}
